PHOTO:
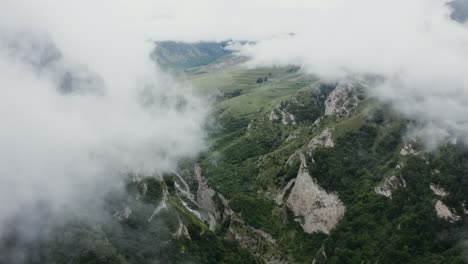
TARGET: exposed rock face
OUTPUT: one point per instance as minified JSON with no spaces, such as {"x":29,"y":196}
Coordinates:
{"x":204,"y":193}
{"x":324,"y":139}
{"x":205,"y":198}
{"x":437,"y":190}
{"x":280,"y":113}
{"x":293,"y":157}
{"x":443,"y":212}
{"x":315,"y":209}
{"x":249,"y":237}
{"x":184,"y":189}
{"x":343,"y":100}
{"x":389,"y":185}
{"x":227,"y":211}
{"x":409,"y":150}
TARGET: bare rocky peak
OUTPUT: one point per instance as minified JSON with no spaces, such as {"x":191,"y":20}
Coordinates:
{"x":315,"y":209}
{"x":343,"y":100}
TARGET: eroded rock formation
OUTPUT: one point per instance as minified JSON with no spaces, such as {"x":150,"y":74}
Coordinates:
{"x":315,"y":209}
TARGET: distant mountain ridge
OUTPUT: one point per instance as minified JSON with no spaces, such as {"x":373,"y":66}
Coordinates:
{"x":181,"y":55}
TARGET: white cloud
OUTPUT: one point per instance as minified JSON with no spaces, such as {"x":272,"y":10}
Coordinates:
{"x":81,"y":104}
{"x":414,"y":45}
{"x":420,"y":51}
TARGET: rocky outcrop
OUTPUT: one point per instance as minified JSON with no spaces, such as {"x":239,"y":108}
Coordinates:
{"x":315,"y":209}
{"x":295,"y":156}
{"x":343,"y":100}
{"x":445,"y":213}
{"x":324,"y":139}
{"x":389,"y":185}
{"x":227,"y":211}
{"x":280,"y":113}
{"x":437,"y":190}
{"x":205,"y":198}
{"x":192,"y":203}
{"x":249,"y":237}
{"x":184,"y":189}
{"x":409,"y":150}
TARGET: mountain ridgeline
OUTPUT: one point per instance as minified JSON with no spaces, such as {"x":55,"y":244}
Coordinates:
{"x":179,"y":55}
{"x":298,"y":170}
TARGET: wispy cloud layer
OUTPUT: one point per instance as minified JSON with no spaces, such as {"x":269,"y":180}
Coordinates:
{"x":415,"y":45}
{"x":82,"y":104}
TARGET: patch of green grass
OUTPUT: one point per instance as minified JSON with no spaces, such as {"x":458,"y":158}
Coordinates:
{"x":187,"y":217}
{"x":253,"y":97}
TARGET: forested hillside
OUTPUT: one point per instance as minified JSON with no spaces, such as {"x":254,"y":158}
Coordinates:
{"x":298,"y":170}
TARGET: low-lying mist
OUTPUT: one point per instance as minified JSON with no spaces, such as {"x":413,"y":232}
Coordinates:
{"x":82,"y":105}
{"x":418,"y":49}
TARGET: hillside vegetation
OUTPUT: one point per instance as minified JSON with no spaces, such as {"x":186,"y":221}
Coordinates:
{"x":298,"y":170}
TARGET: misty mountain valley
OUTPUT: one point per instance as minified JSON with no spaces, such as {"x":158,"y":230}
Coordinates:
{"x":144,"y":132}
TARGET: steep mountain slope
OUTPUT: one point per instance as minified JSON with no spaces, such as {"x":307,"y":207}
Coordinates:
{"x":326,"y":172}
{"x":297,"y":171}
